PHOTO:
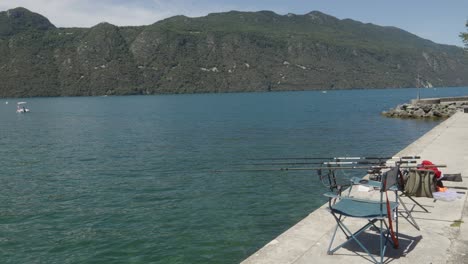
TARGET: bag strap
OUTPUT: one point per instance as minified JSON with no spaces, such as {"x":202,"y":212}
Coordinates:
{"x":413,"y":183}
{"x":427,"y":185}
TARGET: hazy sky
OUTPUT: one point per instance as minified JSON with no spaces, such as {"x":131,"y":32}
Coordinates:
{"x":437,"y":20}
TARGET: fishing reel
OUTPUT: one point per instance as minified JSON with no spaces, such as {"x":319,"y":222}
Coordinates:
{"x":375,"y":173}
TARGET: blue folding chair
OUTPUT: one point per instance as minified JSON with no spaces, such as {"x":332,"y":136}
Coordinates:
{"x":378,"y":213}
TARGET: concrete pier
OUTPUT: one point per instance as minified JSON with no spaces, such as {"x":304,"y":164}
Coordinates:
{"x":443,"y":237}
{"x":439,"y":100}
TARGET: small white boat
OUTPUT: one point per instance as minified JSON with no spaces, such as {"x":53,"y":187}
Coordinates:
{"x":21,"y":107}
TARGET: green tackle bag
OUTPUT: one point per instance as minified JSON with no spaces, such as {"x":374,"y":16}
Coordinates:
{"x":420,"y":183}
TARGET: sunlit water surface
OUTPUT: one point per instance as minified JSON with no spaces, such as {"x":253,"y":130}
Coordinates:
{"x":130,"y":179}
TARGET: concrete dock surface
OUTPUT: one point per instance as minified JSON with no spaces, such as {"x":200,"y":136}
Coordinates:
{"x":443,"y":234}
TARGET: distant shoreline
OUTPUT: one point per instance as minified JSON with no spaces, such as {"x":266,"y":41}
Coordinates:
{"x":238,"y":92}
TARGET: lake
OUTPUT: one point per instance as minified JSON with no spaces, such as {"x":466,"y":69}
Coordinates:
{"x":131,"y":179}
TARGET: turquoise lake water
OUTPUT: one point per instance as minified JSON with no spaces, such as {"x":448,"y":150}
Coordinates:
{"x":129,"y":179}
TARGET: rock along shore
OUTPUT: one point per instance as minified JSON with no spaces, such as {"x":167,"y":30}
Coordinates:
{"x":431,"y":108}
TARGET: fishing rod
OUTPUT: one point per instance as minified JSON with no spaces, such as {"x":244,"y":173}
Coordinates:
{"x":367,"y":158}
{"x":333,"y":163}
{"x":325,"y":168}
{"x":281,"y":163}
{"x":340,"y":158}
{"x":368,"y":162}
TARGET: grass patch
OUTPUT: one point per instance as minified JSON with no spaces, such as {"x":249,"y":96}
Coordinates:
{"x":456,"y":223}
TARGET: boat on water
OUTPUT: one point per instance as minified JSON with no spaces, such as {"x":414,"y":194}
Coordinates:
{"x":21,"y":107}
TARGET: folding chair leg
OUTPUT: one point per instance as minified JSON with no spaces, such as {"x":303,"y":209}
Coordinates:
{"x":420,"y":205}
{"x":409,"y":215}
{"x":350,"y":237}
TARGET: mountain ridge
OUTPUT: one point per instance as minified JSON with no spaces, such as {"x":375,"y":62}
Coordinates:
{"x":233,"y":51}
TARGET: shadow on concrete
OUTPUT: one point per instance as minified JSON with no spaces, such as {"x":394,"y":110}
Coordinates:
{"x":372,"y":242}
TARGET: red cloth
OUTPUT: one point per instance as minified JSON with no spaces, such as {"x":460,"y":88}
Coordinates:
{"x":424,"y":166}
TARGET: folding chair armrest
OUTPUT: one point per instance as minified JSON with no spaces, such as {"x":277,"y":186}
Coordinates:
{"x":368,"y":183}
{"x":331,"y":195}
{"x":355,"y":180}
{"x":334,"y":195}
{"x":371,"y":183}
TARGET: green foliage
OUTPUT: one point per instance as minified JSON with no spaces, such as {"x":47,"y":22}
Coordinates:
{"x":457,"y":223}
{"x":222,"y":52}
{"x":464,"y":36}
{"x":19,"y":20}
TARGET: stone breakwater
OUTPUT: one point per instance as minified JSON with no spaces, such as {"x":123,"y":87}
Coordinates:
{"x":428,"y":108}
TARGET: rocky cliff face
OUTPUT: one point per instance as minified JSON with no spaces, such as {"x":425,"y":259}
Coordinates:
{"x":225,"y":52}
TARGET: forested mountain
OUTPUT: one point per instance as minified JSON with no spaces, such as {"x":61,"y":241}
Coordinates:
{"x":221,"y":52}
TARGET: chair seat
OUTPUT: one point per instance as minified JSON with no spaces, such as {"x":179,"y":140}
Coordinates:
{"x":362,"y":208}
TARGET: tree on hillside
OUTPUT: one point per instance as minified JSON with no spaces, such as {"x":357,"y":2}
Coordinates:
{"x":464,"y":36}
